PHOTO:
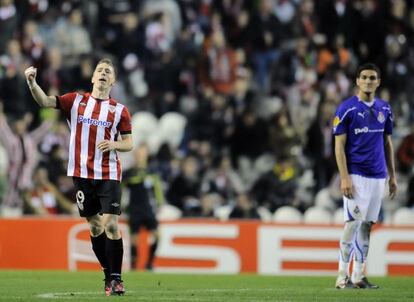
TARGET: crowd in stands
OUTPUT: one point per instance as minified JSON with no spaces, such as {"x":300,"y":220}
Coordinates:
{"x":255,"y":83}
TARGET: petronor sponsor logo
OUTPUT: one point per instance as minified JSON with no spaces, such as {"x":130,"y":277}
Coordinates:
{"x":94,"y":122}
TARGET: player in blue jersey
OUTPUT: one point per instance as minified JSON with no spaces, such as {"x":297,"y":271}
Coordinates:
{"x":364,"y":154}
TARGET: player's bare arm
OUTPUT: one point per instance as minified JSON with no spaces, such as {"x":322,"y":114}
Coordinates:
{"x":38,"y":94}
{"x":389,"y":155}
{"x":346,"y":182}
{"x":123,"y":145}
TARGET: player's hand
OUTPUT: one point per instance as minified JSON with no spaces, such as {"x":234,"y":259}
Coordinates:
{"x":392,"y":184}
{"x":30,"y":74}
{"x":106,"y":145}
{"x":347,"y":187}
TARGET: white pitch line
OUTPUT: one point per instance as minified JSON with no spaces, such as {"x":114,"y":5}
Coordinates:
{"x":92,"y":295}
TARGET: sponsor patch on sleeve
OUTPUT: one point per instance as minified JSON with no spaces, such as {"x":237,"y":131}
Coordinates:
{"x":336,"y":121}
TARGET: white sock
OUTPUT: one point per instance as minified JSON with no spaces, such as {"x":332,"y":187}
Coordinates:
{"x":358,"y":271}
{"x":343,"y":268}
{"x":346,"y":246}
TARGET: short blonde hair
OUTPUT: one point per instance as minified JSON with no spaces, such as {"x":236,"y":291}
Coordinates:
{"x":107,"y":61}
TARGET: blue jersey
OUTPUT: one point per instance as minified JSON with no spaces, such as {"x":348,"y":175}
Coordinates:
{"x":365,"y":128}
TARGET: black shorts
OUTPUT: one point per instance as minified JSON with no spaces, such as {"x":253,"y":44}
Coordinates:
{"x":95,"y":196}
{"x":147,"y":219}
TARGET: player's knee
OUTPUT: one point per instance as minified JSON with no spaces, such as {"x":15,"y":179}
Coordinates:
{"x":112,"y":229}
{"x":96,"y":229}
{"x":365,"y":229}
{"x":350,"y":230}
{"x":352,"y":226}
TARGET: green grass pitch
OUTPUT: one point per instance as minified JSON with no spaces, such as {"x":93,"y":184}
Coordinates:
{"x":87,"y":286}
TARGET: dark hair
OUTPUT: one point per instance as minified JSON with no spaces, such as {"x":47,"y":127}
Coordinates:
{"x":368,"y":66}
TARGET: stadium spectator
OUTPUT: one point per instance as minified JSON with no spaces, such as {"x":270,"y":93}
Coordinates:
{"x":305,"y":22}
{"x":218,"y":64}
{"x":54,"y":77}
{"x":319,"y":147}
{"x":212,"y":123}
{"x":163,"y":77}
{"x":72,"y":38}
{"x":284,"y":140}
{"x":278,"y":187}
{"x":20,"y":145}
{"x":32,"y":42}
{"x":8,"y":22}
{"x":185,"y":189}
{"x":12,"y":85}
{"x":364,"y":154}
{"x":59,"y":136}
{"x":405,"y":159}
{"x":44,"y":198}
{"x":96,"y":122}
{"x":55,"y":162}
{"x":223,"y":181}
{"x":242,"y":96}
{"x":266,"y":36}
{"x":249,"y":139}
{"x":208,"y":202}
{"x":170,"y":11}
{"x":244,"y":208}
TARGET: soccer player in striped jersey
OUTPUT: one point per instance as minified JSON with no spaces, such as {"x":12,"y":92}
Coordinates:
{"x":97,"y":122}
{"x":364,"y":154}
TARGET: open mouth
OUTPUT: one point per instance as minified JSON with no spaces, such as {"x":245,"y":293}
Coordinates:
{"x":102,"y":80}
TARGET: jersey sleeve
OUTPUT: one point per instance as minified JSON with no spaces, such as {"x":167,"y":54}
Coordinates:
{"x":65,"y":102}
{"x":389,"y":122}
{"x":124,"y":126}
{"x":340,"y":121}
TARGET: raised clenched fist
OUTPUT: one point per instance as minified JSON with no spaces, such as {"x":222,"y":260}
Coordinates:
{"x":30,"y":74}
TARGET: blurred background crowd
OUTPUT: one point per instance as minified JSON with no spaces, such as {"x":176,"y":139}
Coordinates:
{"x":233,"y":99}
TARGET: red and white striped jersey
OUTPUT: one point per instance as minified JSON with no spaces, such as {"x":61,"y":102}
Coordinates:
{"x":92,"y":121}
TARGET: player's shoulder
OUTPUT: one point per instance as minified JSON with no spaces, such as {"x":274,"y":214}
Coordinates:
{"x":73,"y":95}
{"x":115,"y":102}
{"x":348,"y":104}
{"x":70,"y":94}
{"x":382,"y":103}
{"x":66,"y":100}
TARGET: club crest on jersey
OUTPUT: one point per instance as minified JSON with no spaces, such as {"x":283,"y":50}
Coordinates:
{"x":381,"y":117}
{"x":356,"y":210}
{"x":112,"y":108}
